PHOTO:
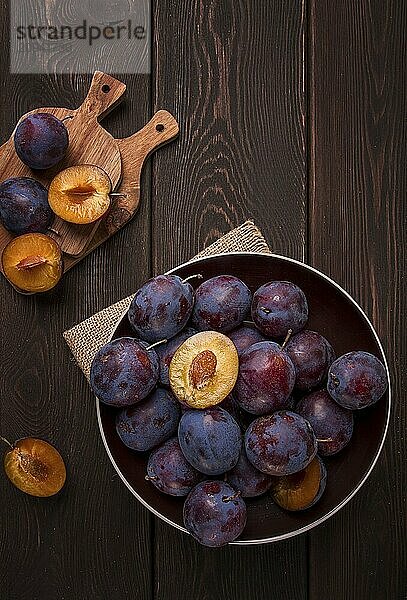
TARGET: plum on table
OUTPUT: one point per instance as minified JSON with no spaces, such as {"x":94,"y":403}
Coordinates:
{"x":210,"y":440}
{"x":33,"y":262}
{"x":221,"y":304}
{"x":170,"y":472}
{"x":149,"y":423}
{"x":281,"y":443}
{"x":266,"y":378}
{"x":35,"y":467}
{"x":41,"y":140}
{"x":279,"y":306}
{"x":161,"y":308}
{"x":203,"y":371}
{"x":214,"y":514}
{"x":24,"y":206}
{"x":357,"y":380}
{"x":123,"y":372}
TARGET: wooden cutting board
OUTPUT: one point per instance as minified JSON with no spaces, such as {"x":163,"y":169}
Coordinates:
{"x":89,"y":143}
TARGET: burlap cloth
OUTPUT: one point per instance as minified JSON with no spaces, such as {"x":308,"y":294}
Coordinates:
{"x":85,"y":339}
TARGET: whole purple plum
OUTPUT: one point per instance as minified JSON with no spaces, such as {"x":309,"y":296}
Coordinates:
{"x":279,"y":306}
{"x":248,"y":480}
{"x":24,"y":206}
{"x":166,"y":351}
{"x":266,"y":378}
{"x":312,"y":355}
{"x":169,"y":470}
{"x":150,"y":423}
{"x":123,"y":372}
{"x":245,"y":336}
{"x":357,"y":380}
{"x":280,"y":444}
{"x":214,"y":514}
{"x":41,"y":141}
{"x":161,"y":308}
{"x":210,"y":439}
{"x":332,"y":424}
{"x":221,"y":304}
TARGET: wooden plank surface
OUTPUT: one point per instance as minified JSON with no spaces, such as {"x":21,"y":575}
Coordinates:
{"x":232,"y":74}
{"x":94,"y":540}
{"x":358,"y":206}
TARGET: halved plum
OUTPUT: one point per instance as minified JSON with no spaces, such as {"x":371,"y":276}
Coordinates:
{"x":33,"y":262}
{"x":300,"y":490}
{"x":204,"y":369}
{"x":80,"y":194}
{"x":35,"y":467}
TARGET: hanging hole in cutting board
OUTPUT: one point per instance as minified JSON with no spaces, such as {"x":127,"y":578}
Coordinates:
{"x":160,"y":127}
{"x":105,"y":88}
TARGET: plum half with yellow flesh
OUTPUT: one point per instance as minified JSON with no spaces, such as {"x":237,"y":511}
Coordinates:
{"x":80,"y":194}
{"x":203,"y":371}
{"x":300,"y":490}
{"x":35,"y":467}
{"x":33,"y":262}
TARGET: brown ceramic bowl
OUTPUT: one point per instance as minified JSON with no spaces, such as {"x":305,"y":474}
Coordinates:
{"x":334,"y":314}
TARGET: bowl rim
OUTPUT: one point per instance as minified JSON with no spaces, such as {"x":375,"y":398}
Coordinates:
{"x":337,"y":508}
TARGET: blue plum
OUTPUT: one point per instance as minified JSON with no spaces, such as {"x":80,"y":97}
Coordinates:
{"x":332,"y":424}
{"x":210,"y":439}
{"x":123,"y":372}
{"x":41,"y":141}
{"x":280,"y":444}
{"x":312,"y":355}
{"x":245,"y":336}
{"x":149,"y":423}
{"x":248,"y":480}
{"x":214,"y":514}
{"x":161,"y":308}
{"x":357,"y":380}
{"x":169,"y":470}
{"x":166,"y":351}
{"x":279,"y":306}
{"x":221,"y":304}
{"x":266,"y":378}
{"x":24,"y":206}
{"x":300,"y":490}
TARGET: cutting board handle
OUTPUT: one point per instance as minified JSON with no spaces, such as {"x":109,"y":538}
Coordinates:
{"x":104,"y":94}
{"x":134,"y":150}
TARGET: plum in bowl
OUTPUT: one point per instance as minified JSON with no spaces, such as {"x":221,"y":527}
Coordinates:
{"x":334,"y":314}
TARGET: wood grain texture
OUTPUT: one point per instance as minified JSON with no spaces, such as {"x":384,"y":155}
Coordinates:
{"x":232,"y":74}
{"x":357,"y":204}
{"x":93,"y":541}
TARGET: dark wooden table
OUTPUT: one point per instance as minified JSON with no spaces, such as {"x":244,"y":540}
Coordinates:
{"x":292,"y":113}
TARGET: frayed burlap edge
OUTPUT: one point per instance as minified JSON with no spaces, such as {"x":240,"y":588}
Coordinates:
{"x":85,"y":339}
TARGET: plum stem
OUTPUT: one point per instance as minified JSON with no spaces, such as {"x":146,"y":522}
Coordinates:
{"x":67,"y":118}
{"x":54,"y":231}
{"x":151,"y":346}
{"x":326,"y":440}
{"x":152,"y":478}
{"x":248,"y":323}
{"x":233,"y":497}
{"x":287,"y":338}
{"x":197,"y":276}
{"x":3,"y":439}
